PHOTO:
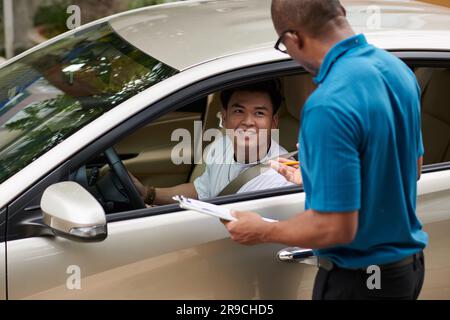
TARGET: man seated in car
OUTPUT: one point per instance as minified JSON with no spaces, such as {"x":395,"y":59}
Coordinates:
{"x":249,"y":113}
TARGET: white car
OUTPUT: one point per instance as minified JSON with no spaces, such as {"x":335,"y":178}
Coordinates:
{"x":71,"y":230}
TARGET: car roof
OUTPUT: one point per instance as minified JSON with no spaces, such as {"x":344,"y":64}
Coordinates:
{"x":189,"y":33}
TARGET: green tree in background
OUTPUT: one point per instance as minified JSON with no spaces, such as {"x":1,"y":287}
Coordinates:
{"x":36,"y":20}
{"x":52,"y":14}
{"x":51,"y":18}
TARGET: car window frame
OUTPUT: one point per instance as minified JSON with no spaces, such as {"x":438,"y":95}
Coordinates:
{"x":4,"y":260}
{"x":2,"y":225}
{"x":31,"y":225}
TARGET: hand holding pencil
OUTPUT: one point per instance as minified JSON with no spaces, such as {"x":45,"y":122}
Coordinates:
{"x":289,"y":169}
{"x":294,"y":164}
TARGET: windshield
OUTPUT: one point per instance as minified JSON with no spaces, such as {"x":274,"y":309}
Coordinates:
{"x":53,"y":92}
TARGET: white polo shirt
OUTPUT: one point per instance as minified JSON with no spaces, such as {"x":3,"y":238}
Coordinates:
{"x":221,"y":169}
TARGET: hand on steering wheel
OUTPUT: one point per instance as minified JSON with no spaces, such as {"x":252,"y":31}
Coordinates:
{"x":121,"y":173}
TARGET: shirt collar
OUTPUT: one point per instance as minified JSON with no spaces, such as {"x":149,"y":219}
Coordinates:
{"x":336,"y":52}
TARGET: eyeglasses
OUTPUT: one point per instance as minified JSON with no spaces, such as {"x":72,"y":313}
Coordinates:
{"x":280,"y":45}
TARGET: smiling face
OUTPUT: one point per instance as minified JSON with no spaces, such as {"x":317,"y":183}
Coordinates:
{"x":249,"y":118}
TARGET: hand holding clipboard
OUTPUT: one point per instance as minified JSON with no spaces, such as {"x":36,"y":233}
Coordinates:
{"x":208,"y":208}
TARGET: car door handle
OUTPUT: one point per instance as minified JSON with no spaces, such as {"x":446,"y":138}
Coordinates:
{"x":297,"y":255}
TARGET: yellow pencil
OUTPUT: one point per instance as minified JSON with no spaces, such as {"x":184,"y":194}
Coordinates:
{"x":291,"y":163}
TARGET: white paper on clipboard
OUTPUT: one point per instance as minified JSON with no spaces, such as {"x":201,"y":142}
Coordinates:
{"x":208,"y":208}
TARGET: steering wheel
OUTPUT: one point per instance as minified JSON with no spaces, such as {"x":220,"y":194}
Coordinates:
{"x":121,"y":173}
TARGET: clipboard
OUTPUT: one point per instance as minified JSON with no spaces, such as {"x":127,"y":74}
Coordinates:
{"x":208,"y":208}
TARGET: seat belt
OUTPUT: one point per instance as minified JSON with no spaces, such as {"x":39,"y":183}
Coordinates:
{"x":249,"y":174}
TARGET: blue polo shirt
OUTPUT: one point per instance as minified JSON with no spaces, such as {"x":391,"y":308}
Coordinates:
{"x":360,"y":141}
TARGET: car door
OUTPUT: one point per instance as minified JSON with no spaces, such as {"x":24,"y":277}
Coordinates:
{"x":433,"y":204}
{"x":178,"y":255}
{"x":433,"y":195}
{"x":432,"y":70}
{"x":153,"y":253}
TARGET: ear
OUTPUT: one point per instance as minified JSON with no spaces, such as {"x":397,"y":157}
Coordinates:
{"x":294,"y":39}
{"x":344,"y":11}
{"x":275,"y":121}
{"x":223,"y":111}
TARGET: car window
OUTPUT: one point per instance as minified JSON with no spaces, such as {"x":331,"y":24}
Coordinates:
{"x":435,"y":113}
{"x":51,"y":93}
{"x":147,"y":154}
{"x":190,"y":146}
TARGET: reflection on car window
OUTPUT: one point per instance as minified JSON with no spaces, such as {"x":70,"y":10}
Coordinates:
{"x":53,"y":92}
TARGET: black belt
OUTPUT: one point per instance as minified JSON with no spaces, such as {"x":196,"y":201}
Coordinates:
{"x":329,"y":265}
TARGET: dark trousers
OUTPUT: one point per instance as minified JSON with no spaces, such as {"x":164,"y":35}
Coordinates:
{"x":397,"y":283}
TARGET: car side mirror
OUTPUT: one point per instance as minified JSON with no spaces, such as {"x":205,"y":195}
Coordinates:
{"x":73,"y":213}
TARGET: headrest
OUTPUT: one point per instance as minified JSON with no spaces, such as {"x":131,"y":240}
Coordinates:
{"x":296,"y":90}
{"x":436,"y":97}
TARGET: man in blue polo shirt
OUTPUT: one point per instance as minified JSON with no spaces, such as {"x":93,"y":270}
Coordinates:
{"x":361,"y":156}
